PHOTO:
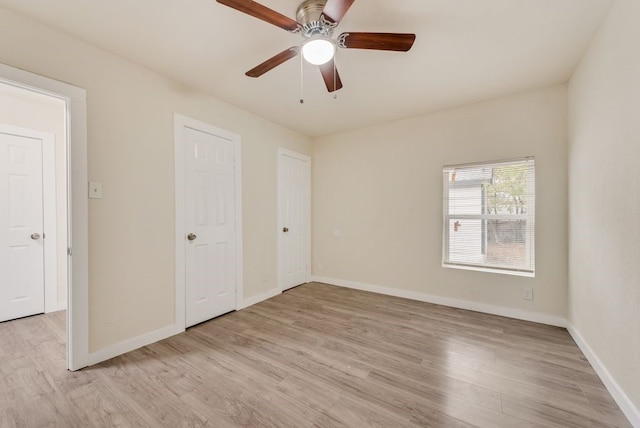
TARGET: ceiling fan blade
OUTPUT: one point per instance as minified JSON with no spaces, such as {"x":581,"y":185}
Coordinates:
{"x":334,"y":10}
{"x":261,"y":12}
{"x":273,"y":62}
{"x":331,"y":76}
{"x":401,"y":42}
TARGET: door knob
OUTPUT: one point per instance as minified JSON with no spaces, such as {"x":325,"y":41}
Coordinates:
{"x":285,"y":229}
{"x":35,"y":236}
{"x":191,"y":236}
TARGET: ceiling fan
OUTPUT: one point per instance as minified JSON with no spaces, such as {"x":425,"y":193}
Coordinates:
{"x":315,"y":21}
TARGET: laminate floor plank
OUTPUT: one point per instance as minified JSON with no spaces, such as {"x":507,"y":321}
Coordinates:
{"x":537,"y":390}
{"x":548,"y":414}
{"x":315,"y":356}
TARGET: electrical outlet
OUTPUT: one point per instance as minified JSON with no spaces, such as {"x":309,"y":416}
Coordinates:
{"x":527,"y":293}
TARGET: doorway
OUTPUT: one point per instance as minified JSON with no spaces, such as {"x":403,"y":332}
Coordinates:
{"x":208,"y":221}
{"x":29,"y":256}
{"x":294,"y":218}
{"x":73,"y":257}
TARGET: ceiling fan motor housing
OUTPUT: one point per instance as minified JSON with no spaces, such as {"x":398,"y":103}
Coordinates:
{"x":311,"y":21}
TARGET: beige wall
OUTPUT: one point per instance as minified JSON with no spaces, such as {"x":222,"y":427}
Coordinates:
{"x":130,"y":150}
{"x":604,"y":178}
{"x":382,"y":187}
{"x":26,"y":109}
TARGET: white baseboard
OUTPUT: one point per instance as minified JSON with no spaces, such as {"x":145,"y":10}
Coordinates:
{"x":56,"y":308}
{"x":259,"y":298}
{"x":447,"y":301}
{"x":163,"y":333}
{"x":133,"y":343}
{"x":630,"y":411}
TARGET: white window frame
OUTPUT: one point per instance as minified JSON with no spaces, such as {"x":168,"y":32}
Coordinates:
{"x":529,"y":216}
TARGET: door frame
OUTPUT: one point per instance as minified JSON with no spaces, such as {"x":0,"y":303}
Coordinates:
{"x":180,"y":123}
{"x":75,"y":100}
{"x":290,"y":153}
{"x":49,"y":223}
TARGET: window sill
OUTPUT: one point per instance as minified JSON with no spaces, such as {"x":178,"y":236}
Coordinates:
{"x":490,"y":270}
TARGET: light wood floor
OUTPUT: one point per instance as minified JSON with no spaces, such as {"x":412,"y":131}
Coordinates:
{"x":318,"y":356}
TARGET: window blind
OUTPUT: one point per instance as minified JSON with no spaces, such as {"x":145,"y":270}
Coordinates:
{"x":489,"y":216}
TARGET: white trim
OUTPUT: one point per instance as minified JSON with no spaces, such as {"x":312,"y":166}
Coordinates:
{"x":239,"y":220}
{"x":132,"y":344}
{"x":180,"y":251}
{"x":624,"y":402}
{"x":447,"y":301}
{"x":480,"y":268}
{"x":489,"y":164}
{"x":51,"y":300}
{"x":181,"y":122}
{"x":76,"y":145}
{"x":260,"y":298}
{"x":304,"y":158}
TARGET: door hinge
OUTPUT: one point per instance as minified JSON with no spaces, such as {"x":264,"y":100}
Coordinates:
{"x":69,"y":252}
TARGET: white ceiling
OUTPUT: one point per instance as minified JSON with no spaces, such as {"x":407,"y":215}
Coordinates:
{"x":465,"y":51}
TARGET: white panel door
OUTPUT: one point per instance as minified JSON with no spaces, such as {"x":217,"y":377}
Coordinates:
{"x":21,"y":227}
{"x":210,"y":226}
{"x":294,"y":192}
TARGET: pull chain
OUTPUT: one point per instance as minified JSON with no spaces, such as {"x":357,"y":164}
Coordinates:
{"x":301,"y":80}
{"x":335,"y":78}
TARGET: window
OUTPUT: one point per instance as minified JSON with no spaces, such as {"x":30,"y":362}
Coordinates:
{"x":489,"y":217}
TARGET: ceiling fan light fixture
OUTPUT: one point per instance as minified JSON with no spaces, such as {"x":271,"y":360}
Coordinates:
{"x":318,"y":50}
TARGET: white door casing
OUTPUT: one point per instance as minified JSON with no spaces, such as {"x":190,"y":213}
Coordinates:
{"x":76,"y":146}
{"x":208,"y":221}
{"x":21,"y":226}
{"x":294,"y":218}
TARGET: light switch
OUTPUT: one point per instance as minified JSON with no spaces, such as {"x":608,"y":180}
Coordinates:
{"x":95,"y":190}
